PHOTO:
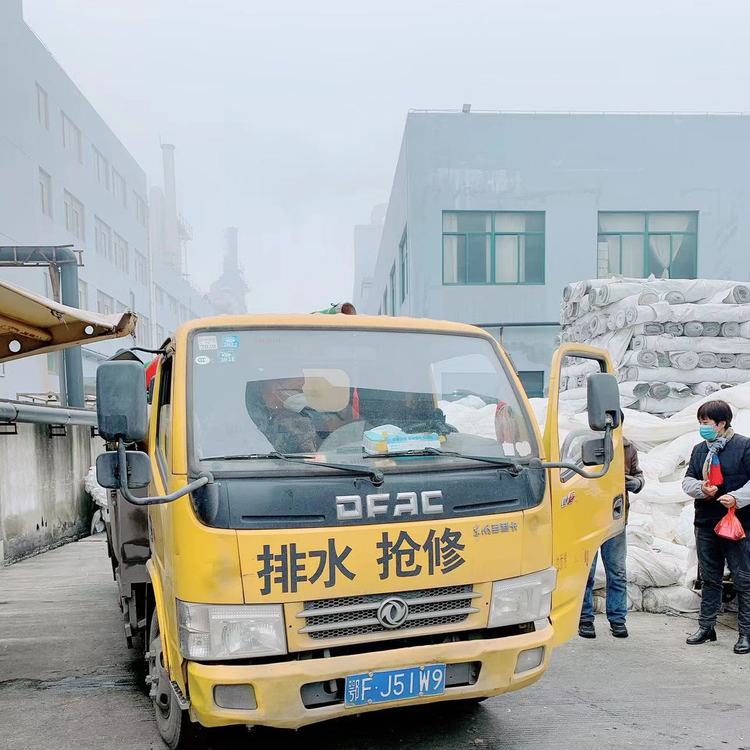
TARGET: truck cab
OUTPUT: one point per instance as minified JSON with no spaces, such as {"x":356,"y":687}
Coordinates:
{"x":329,"y":517}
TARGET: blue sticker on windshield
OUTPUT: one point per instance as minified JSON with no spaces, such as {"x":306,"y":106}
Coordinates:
{"x":230,"y":342}
{"x":226,"y":356}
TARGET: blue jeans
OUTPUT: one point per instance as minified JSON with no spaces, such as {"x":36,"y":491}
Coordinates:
{"x":613,"y":552}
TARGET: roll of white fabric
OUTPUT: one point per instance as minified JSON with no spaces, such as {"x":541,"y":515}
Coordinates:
{"x":641,"y":359}
{"x":684,"y":360}
{"x":743,"y":362}
{"x":687,"y":344}
{"x":693,"y":330}
{"x":616,"y":321}
{"x":631,"y":316}
{"x":712,"y":329}
{"x":663,"y":360}
{"x":655,"y":329}
{"x":707,"y":359}
{"x":648,"y":298}
{"x":704,"y":389}
{"x":745,"y":330}
{"x":679,"y":390}
{"x":699,"y":375}
{"x":668,"y":405}
{"x":708,"y":313}
{"x":738,"y":295}
{"x":672,"y":298}
{"x":658,"y":391}
{"x":726,"y":360}
{"x":730,"y":330}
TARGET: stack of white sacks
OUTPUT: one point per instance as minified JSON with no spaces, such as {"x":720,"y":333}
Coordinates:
{"x":672,"y":341}
{"x":661,"y":562}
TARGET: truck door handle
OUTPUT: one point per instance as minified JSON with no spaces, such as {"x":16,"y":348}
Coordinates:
{"x":618,"y":507}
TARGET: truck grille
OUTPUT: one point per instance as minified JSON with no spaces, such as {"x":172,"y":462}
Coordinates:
{"x":358,"y":615}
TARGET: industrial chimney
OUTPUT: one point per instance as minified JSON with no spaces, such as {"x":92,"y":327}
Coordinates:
{"x":172,"y":248}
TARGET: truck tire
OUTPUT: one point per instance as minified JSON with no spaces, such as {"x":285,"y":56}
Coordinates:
{"x":173,"y":723}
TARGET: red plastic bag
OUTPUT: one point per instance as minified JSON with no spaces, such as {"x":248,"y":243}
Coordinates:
{"x":729,"y":527}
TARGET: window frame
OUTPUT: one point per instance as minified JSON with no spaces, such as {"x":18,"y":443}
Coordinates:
{"x":493,"y":234}
{"x":646,"y":235}
{"x":42,"y":106}
{"x":392,"y":288}
{"x":71,"y":203}
{"x":45,"y":193}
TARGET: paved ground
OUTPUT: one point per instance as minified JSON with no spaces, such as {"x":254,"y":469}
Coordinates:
{"x":67,"y":682}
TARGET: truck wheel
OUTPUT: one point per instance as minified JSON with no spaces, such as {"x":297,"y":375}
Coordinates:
{"x":173,"y":723}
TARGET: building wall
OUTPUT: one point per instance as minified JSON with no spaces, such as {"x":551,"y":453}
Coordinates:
{"x":30,"y":142}
{"x":42,"y":498}
{"x":570,"y":167}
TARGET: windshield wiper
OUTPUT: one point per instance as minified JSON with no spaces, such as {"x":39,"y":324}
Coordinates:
{"x":360,"y":470}
{"x":513,"y":468}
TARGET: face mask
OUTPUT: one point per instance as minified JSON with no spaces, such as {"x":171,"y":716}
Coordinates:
{"x":708,"y":432}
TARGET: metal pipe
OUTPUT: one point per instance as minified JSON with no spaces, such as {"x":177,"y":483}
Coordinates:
{"x":14,"y":411}
{"x":67,"y":260}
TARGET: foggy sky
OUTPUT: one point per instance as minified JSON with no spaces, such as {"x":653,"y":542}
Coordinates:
{"x":288,"y":114}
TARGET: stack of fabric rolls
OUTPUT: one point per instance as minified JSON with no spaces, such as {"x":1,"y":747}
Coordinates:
{"x":673,"y":341}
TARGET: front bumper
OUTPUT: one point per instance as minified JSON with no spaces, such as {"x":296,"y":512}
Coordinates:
{"x":277,"y":686}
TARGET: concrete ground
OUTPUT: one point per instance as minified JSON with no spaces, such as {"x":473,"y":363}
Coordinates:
{"x":68,"y":682}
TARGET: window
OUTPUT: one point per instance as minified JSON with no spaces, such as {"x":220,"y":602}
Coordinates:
{"x":71,"y":137}
{"x":141,"y":212}
{"x":120,"y":307}
{"x":498,"y":247}
{"x":403,"y":257}
{"x":164,"y":416}
{"x":42,"y":107}
{"x":533,"y":382}
{"x":119,"y":188}
{"x":53,"y":363}
{"x":83,"y":295}
{"x":45,"y":193}
{"x":393,"y":289}
{"x":172,"y":304}
{"x":385,"y":301}
{"x":74,"y":216}
{"x":2,"y":369}
{"x":105,"y":305}
{"x":662,"y":243}
{"x":140,"y":266}
{"x":101,"y":165}
{"x":102,"y":238}
{"x":122,"y":254}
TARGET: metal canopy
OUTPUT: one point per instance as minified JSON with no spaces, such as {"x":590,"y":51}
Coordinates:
{"x":32,"y":324}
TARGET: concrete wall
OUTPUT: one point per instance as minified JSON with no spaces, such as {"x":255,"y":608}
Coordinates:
{"x":42,"y":498}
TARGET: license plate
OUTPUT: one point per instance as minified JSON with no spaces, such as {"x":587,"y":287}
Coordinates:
{"x":394,"y":685}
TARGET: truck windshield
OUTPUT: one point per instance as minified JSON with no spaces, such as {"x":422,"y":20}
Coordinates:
{"x":345,"y":395}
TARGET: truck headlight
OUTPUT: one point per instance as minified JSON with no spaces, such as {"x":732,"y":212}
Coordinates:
{"x":523,"y":599}
{"x":211,"y":632}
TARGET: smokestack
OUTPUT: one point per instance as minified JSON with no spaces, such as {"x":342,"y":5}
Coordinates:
{"x":172,"y":254}
{"x":231,"y":250}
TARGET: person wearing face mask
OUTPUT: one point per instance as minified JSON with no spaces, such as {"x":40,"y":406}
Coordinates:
{"x":718,"y":477}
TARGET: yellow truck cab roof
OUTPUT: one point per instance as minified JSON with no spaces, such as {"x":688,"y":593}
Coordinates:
{"x":313,"y":321}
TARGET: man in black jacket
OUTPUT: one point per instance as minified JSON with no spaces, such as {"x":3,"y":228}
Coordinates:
{"x":718,"y":477}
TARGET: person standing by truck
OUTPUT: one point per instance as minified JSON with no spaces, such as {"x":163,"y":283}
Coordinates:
{"x":718,"y":478}
{"x":614,"y":552}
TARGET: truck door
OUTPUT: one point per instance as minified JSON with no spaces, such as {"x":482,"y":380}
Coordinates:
{"x":585,"y":512}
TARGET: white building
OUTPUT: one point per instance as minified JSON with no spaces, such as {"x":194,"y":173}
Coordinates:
{"x":65,"y":178}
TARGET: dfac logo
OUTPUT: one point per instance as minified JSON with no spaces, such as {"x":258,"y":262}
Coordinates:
{"x":392,"y":613}
{"x":352,"y":507}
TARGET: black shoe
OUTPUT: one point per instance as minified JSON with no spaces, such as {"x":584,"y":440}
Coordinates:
{"x":743,"y":645}
{"x":701,"y":636}
{"x":586,"y":630}
{"x":618,"y":629}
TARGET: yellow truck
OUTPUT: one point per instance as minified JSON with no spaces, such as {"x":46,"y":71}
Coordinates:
{"x":303,"y":528}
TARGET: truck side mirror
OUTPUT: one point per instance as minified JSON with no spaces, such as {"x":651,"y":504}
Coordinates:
{"x":603,"y":397}
{"x":121,"y":401}
{"x":138,"y":470}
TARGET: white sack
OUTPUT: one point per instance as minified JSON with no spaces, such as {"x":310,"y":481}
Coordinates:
{"x":676,"y":598}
